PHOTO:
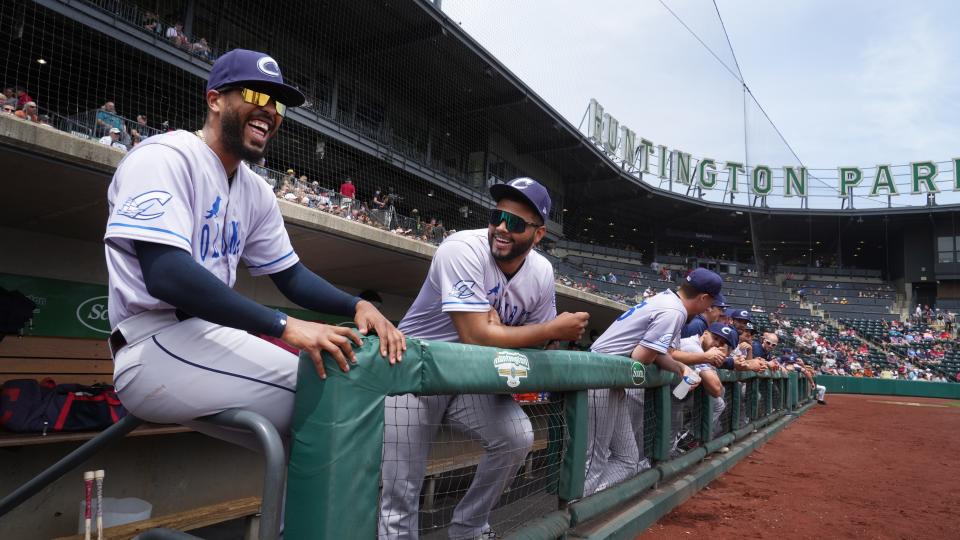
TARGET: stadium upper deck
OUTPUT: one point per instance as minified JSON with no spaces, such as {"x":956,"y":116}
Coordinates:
{"x":403,"y":101}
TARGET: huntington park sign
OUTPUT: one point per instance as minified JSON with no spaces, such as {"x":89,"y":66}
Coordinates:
{"x":639,"y":156}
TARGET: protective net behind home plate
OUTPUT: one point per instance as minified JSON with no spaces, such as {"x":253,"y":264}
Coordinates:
{"x":449,"y":461}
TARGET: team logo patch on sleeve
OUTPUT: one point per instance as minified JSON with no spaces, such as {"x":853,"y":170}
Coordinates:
{"x":665,"y":340}
{"x":145,"y":206}
{"x":462,"y":290}
{"x":511,"y":365}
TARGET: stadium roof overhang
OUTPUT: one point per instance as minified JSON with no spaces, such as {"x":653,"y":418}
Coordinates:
{"x":599,"y":186}
{"x":56,"y":184}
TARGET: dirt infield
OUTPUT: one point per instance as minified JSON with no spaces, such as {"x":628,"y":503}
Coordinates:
{"x":860,"y":467}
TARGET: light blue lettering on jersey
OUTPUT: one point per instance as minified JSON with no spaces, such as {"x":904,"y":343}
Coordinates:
{"x":218,"y":241}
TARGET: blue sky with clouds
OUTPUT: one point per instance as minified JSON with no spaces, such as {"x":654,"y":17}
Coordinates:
{"x":847,"y":83}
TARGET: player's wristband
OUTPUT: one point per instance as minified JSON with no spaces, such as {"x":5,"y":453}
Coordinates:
{"x":279,"y":324}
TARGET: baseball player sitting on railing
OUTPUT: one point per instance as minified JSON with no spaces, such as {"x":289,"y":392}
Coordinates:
{"x":184,"y":211}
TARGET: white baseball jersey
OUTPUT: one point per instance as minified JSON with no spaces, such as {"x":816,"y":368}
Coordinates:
{"x":655,"y":323}
{"x":172,"y":189}
{"x":464,"y":276}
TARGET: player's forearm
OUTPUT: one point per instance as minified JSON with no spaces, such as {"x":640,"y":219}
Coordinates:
{"x":507,"y":337}
{"x":171,"y":275}
{"x":689,"y":358}
{"x":311,"y":291}
{"x":667,"y":362}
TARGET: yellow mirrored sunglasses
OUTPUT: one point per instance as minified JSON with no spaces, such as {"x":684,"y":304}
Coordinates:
{"x":259,"y":99}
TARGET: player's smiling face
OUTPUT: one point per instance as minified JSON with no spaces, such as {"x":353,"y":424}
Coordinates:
{"x":246,"y":128}
{"x":509,"y":246}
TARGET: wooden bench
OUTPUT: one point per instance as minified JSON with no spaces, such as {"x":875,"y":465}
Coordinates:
{"x":65,"y":360}
{"x":84,"y":361}
{"x":189,"y":520}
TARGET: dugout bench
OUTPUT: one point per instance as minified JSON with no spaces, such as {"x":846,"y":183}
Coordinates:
{"x":88,"y":361}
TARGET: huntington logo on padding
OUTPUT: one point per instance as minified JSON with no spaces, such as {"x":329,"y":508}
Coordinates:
{"x":512,"y":365}
{"x":638,"y":373}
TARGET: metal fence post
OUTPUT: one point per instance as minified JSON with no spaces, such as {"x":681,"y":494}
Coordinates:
{"x":573,"y":468}
{"x":661,"y":446}
{"x":706,"y":416}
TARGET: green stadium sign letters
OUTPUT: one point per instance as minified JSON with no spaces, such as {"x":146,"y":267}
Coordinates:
{"x":621,"y":144}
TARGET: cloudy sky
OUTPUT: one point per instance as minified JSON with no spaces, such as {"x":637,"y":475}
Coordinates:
{"x":856,"y":82}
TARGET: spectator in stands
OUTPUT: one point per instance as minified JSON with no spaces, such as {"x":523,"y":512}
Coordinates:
{"x":377,"y":202}
{"x":9,"y":109}
{"x":260,"y":168}
{"x":647,"y":293}
{"x":438,"y":233}
{"x":176,"y":35}
{"x":152,"y":23}
{"x":23,"y":97}
{"x":9,"y":97}
{"x":202,"y":49}
{"x":29,"y":112}
{"x":113,"y":139}
{"x":107,"y":118}
{"x":140,"y":128}
{"x":347,"y":189}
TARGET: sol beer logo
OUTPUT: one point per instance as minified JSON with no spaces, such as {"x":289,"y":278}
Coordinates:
{"x":92,"y":313}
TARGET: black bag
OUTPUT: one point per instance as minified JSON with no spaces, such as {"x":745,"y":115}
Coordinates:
{"x":15,"y":310}
{"x":28,"y":406}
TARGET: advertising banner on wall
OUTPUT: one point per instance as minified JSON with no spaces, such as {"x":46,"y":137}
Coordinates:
{"x":79,"y":310}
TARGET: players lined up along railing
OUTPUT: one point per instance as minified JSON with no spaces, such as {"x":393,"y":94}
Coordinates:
{"x":448,"y":416}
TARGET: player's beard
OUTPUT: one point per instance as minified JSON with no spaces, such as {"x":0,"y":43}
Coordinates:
{"x":518,"y":249}
{"x":231,"y":129}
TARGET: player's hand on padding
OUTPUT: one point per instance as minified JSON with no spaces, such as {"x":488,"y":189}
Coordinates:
{"x":316,"y":338}
{"x":569,"y":326}
{"x":716,"y":356}
{"x":392,"y":342}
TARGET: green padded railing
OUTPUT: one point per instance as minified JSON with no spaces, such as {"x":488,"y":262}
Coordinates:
{"x":338,"y":423}
{"x":889,"y":387}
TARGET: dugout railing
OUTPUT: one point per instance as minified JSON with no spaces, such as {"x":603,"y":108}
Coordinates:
{"x":338,"y":429}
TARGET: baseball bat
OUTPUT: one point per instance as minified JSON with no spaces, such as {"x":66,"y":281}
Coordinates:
{"x":98,"y":476}
{"x":87,"y":494}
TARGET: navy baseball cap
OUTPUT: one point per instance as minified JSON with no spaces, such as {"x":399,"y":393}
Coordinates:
{"x":529,"y":190}
{"x":750,"y":328}
{"x":742,"y":314}
{"x":719,"y":301}
{"x":725,"y":332}
{"x":256,"y":71}
{"x":705,"y":281}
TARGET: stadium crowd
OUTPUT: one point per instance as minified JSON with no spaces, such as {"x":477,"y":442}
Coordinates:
{"x":845,"y":353}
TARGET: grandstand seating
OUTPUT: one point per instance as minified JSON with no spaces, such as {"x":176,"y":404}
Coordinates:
{"x":866,"y":299}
